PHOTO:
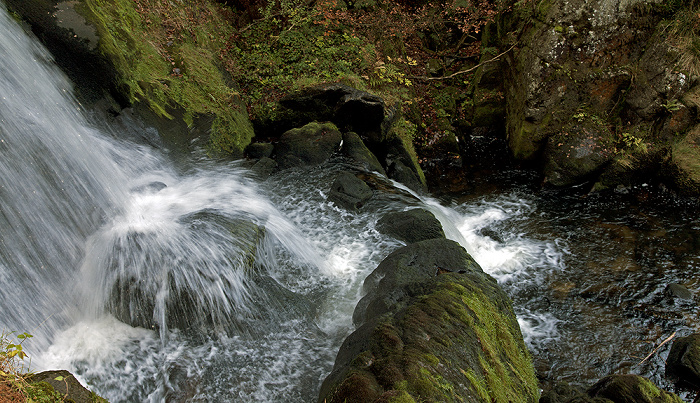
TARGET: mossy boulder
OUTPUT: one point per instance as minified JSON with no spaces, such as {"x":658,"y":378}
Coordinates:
{"x":683,"y":363}
{"x":435,"y":327}
{"x":630,"y":389}
{"x":312,"y":144}
{"x":355,"y":149}
{"x":411,"y":226}
{"x":61,"y":385}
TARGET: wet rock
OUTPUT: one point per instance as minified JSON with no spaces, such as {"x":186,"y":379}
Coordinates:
{"x":677,"y":291}
{"x":157,"y":292}
{"x":264,"y":167}
{"x":402,"y":164}
{"x":259,"y":150}
{"x":66,"y":384}
{"x":683,"y":362}
{"x":312,"y":144}
{"x":434,"y":328}
{"x":411,"y":226}
{"x":355,"y":149}
{"x":577,"y":153}
{"x":73,"y":41}
{"x":349,"y":192}
{"x":630,"y":389}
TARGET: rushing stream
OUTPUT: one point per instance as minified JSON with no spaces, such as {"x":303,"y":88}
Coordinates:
{"x":243,"y":290}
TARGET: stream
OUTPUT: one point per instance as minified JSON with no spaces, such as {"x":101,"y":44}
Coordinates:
{"x":154,"y":276}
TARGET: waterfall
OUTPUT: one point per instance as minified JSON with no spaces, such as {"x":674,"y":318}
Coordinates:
{"x":154,"y":284}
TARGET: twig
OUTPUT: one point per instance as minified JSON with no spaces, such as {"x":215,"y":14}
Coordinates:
{"x":658,"y":347}
{"x":465,"y":71}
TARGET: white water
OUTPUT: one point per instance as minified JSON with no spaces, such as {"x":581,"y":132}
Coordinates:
{"x":95,"y":229}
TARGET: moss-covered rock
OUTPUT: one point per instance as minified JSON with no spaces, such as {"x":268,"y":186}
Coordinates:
{"x":59,"y":386}
{"x":685,"y":162}
{"x":683,"y":363}
{"x":630,"y":389}
{"x":435,"y":328}
{"x":312,"y":144}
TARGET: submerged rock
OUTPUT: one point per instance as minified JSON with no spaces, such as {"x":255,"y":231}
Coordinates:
{"x":411,"y":226}
{"x":152,"y":290}
{"x":436,"y":328}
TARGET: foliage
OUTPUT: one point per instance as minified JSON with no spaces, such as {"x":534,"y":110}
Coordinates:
{"x":13,"y":373}
{"x":683,"y":30}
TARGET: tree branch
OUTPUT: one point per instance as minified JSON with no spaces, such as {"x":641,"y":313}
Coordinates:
{"x":495,"y":58}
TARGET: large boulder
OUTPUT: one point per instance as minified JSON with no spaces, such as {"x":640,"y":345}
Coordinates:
{"x":683,"y":363}
{"x":435,"y":327}
{"x":312,"y":144}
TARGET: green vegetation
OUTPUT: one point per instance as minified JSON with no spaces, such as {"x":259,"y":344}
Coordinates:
{"x":15,"y":379}
{"x":683,"y":32}
{"x":168,"y":57}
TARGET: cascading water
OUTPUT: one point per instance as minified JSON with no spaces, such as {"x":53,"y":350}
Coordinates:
{"x":154,"y":284}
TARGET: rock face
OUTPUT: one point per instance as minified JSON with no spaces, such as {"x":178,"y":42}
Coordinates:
{"x":348,"y":108}
{"x":435,"y":327}
{"x":411,"y":226}
{"x":597,"y":93}
{"x":683,"y":363}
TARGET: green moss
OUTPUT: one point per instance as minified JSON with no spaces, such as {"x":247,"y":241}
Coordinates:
{"x":174,"y":72}
{"x":402,"y":397}
{"x":42,"y":392}
{"x":477,"y":383}
{"x":406,"y":132}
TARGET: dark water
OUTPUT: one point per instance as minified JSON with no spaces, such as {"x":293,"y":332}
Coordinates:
{"x":602,"y":305}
